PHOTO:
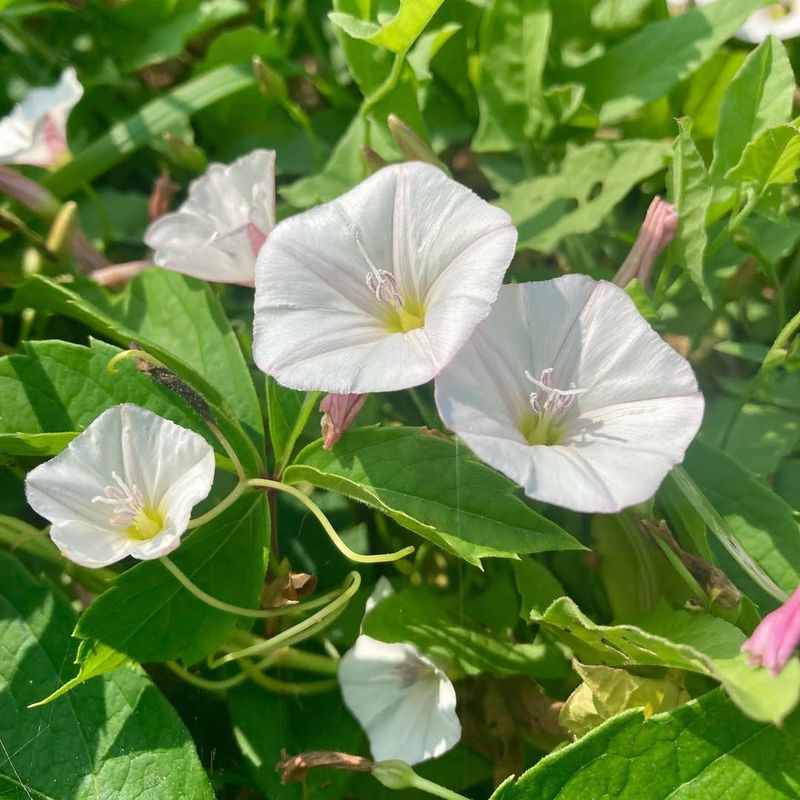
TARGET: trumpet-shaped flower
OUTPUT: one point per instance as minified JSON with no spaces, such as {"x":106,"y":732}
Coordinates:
{"x":218,"y":231}
{"x":35,"y":132}
{"x":378,"y":289}
{"x":777,"y":19}
{"x":126,"y":486}
{"x":405,"y":703}
{"x":568,"y":391}
{"x":776,"y":637}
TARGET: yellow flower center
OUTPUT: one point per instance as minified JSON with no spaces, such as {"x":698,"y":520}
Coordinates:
{"x":408,"y":316}
{"x":540,"y":429}
{"x":147,"y":523}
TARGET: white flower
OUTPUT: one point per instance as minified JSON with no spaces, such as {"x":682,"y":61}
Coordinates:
{"x":778,"y":19}
{"x":378,"y":289}
{"x":217,"y":232}
{"x":404,"y":702}
{"x":125,"y":487}
{"x":568,"y":391}
{"x":35,"y":132}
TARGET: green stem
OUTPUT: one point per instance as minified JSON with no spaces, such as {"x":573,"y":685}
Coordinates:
{"x":206,"y":683}
{"x":372,"y":99}
{"x":329,"y":529}
{"x":286,"y":687}
{"x":429,"y":787}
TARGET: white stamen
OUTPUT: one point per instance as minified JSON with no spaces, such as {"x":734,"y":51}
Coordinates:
{"x":553,"y":402}
{"x":126,"y":499}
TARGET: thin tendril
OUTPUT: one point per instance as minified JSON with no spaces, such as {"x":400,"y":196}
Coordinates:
{"x":142,"y":354}
{"x":300,"y":631}
{"x":329,"y":529}
{"x":219,"y":685}
{"x":237,"y":464}
{"x":286,"y":687}
{"x":223,"y":504}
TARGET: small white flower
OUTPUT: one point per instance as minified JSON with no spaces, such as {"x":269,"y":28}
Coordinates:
{"x":569,"y":392}
{"x":125,"y":487}
{"x":405,"y":703}
{"x":378,"y":289}
{"x":217,"y":232}
{"x":778,"y":19}
{"x":35,"y":132}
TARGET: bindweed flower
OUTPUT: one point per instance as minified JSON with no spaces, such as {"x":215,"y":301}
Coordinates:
{"x":126,"y":486}
{"x":218,"y":231}
{"x":776,"y":637}
{"x":378,"y":289}
{"x":404,"y":702}
{"x":339,"y":411}
{"x":777,"y":19}
{"x":35,"y":132}
{"x":569,"y":392}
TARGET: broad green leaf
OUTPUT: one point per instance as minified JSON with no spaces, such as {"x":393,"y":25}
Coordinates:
{"x":760,"y":520}
{"x":706,"y":89}
{"x":646,"y":65}
{"x":427,"y":47}
{"x":267,"y":725}
{"x":689,"y":188}
{"x":113,"y":737}
{"x":589,"y":184}
{"x":537,"y":586}
{"x":787,"y":482}
{"x":149,"y":122}
{"x":514,"y":39}
{"x":149,"y":616}
{"x":53,"y":390}
{"x":396,"y":34}
{"x":415,"y":615}
{"x":687,"y":640}
{"x":771,"y":159}
{"x":288,"y":412}
{"x":180,"y":322}
{"x":759,"y":96}
{"x":705,"y":749}
{"x":433,"y":487}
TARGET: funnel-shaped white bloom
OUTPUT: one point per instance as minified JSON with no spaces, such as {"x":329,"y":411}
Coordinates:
{"x":777,"y":19}
{"x":378,"y":289}
{"x":404,"y":702}
{"x":217,"y":232}
{"x":125,"y":487}
{"x":35,"y":132}
{"x":567,"y":390}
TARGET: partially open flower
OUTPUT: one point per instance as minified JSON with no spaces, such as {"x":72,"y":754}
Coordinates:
{"x":405,"y":703}
{"x":218,"y":231}
{"x":35,"y":132}
{"x":777,"y":19}
{"x":378,"y":289}
{"x":568,"y":391}
{"x":777,"y":636}
{"x":125,"y":487}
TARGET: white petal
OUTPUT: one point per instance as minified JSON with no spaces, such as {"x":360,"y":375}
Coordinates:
{"x":638,"y":411}
{"x":212,"y":236}
{"x":172,"y":468}
{"x":319,"y":326}
{"x":410,"y":721}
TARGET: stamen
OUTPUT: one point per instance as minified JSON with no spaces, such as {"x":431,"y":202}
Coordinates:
{"x":548,"y":405}
{"x":129,"y":510}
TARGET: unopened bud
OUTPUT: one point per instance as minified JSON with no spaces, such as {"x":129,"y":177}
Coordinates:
{"x":411,"y":144}
{"x":294,"y":768}
{"x":118,"y":275}
{"x":161,"y":196}
{"x":185,"y":153}
{"x":657,"y":232}
{"x":29,"y":193}
{"x":338,"y":414}
{"x":62,"y":231}
{"x":270,"y":83}
{"x":373,"y":161}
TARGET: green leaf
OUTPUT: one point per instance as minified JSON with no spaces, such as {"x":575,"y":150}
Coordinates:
{"x":149,"y":122}
{"x":396,"y":34}
{"x":416,"y":616}
{"x":589,"y":184}
{"x":288,"y":413}
{"x":771,"y":159}
{"x":646,"y":65}
{"x":114,"y":736}
{"x":689,"y":188}
{"x":54,"y":390}
{"x":687,"y":640}
{"x":761,"y":521}
{"x":759,"y":96}
{"x":179,"y":321}
{"x":514,"y":38}
{"x":705,"y":749}
{"x":149,"y":616}
{"x":537,"y":586}
{"x":433,"y":487}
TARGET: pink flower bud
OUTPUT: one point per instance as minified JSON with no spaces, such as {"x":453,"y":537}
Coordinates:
{"x":338,"y":414}
{"x":774,"y":640}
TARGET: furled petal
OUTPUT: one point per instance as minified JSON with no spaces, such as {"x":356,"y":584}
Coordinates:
{"x":339,"y":411}
{"x":35,"y":132}
{"x":402,"y":700}
{"x":331,"y":283}
{"x":169,"y":467}
{"x":777,"y":636}
{"x":217,"y":232}
{"x":634,"y":405}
